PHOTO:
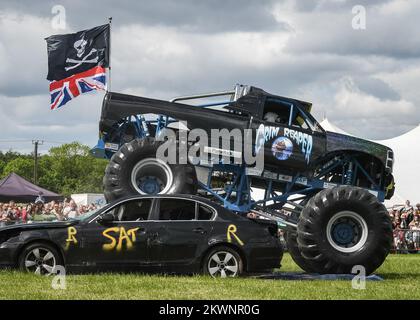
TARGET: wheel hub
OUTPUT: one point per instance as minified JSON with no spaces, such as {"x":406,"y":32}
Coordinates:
{"x":223,"y":264}
{"x":40,"y":261}
{"x":151,"y":176}
{"x":343,"y":233}
{"x":150,"y":185}
{"x":347,"y":231}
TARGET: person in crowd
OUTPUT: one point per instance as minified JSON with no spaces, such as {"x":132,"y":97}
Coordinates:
{"x":71,"y":211}
{"x":417,"y":211}
{"x":27,"y":213}
{"x":399,"y":237}
{"x":66,"y":203}
{"x":47,"y":207}
{"x":408,"y":210}
{"x":58,"y":212}
{"x":91,"y":207}
{"x":391,"y":213}
{"x":41,"y":213}
{"x":60,"y":207}
{"x":11,"y":212}
{"x":39,"y":207}
{"x":44,"y":215}
{"x":4,"y":215}
{"x":415,"y":226}
{"x":403,"y":221}
{"x":14,"y":212}
{"x":19,"y":210}
{"x":82,"y":209}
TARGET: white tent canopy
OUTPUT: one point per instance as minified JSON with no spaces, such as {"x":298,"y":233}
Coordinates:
{"x":407,"y":164}
{"x":328,"y":126}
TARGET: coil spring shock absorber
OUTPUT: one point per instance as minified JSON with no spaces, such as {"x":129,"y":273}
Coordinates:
{"x":349,"y":174}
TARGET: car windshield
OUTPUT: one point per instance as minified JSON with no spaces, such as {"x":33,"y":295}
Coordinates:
{"x":87,"y":215}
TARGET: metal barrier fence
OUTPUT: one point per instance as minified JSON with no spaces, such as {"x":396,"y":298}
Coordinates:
{"x":406,"y":241}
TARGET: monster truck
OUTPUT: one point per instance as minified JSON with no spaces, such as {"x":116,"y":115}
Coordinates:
{"x":323,"y":188}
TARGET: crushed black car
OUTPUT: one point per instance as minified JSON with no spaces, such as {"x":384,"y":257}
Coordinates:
{"x":162,"y":233}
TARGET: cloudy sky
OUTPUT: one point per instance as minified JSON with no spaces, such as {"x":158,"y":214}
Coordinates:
{"x":364,"y":80}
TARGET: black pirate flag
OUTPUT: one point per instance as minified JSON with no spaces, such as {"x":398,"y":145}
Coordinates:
{"x":74,"y":53}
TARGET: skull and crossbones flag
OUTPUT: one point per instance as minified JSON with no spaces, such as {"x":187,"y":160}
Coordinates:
{"x":76,"y":63}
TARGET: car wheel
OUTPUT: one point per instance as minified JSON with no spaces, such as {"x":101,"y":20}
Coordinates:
{"x":134,"y":169}
{"x":223,"y":262}
{"x":40,"y":258}
{"x":343,"y":227}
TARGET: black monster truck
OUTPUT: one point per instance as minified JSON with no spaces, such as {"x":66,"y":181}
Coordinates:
{"x":325,"y":189}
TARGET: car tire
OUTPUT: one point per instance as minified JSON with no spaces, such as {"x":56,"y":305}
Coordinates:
{"x":40,"y":258}
{"x":223,"y":261}
{"x":343,"y":227}
{"x":134,"y":169}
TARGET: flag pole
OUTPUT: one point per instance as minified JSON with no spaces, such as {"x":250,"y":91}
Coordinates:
{"x":108,"y":87}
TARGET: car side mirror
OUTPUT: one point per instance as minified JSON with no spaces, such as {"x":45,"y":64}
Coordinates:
{"x":106,"y":218}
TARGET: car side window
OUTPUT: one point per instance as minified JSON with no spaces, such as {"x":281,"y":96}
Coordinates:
{"x":135,"y":210}
{"x":204,"y":212}
{"x":299,"y":119}
{"x":276,"y":111}
{"x":176,"y":209}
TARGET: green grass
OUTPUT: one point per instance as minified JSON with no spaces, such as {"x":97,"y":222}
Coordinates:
{"x":401,"y":274}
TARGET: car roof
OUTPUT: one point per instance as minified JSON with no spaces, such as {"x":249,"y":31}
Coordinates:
{"x":157,"y":196}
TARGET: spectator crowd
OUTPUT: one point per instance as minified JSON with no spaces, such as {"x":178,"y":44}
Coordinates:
{"x":11,"y":212}
{"x":406,"y":225}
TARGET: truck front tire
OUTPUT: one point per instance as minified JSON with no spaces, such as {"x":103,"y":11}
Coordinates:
{"x":343,"y":227}
{"x":293,"y":249}
{"x":134,"y":169}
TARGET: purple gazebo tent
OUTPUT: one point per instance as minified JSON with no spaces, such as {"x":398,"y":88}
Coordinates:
{"x":16,"y":188}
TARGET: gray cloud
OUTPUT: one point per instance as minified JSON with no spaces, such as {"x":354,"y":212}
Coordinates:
{"x":391,"y":31}
{"x":333,"y":5}
{"x":377,"y":88}
{"x":187,"y":15}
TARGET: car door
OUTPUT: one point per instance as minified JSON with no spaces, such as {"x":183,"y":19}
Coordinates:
{"x":179,"y":236}
{"x":122,"y":242}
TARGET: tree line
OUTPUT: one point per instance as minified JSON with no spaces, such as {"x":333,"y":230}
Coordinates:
{"x":65,"y":169}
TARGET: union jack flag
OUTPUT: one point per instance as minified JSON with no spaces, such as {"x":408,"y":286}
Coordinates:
{"x":62,"y":91}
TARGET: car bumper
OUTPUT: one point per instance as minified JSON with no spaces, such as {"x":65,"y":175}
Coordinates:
{"x":8,"y":254}
{"x":264,"y":257}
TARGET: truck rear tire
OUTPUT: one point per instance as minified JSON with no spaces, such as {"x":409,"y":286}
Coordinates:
{"x":343,"y":227}
{"x":134,"y":169}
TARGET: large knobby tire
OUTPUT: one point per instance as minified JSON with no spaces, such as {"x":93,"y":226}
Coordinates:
{"x":223,"y":261}
{"x":40,"y":258}
{"x":343,"y":227}
{"x":134,"y":169}
{"x":293,"y":249}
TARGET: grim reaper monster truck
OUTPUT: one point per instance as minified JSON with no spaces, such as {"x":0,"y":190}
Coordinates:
{"x":323,"y":188}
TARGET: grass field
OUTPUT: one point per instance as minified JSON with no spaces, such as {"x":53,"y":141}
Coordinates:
{"x":401,"y":274}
